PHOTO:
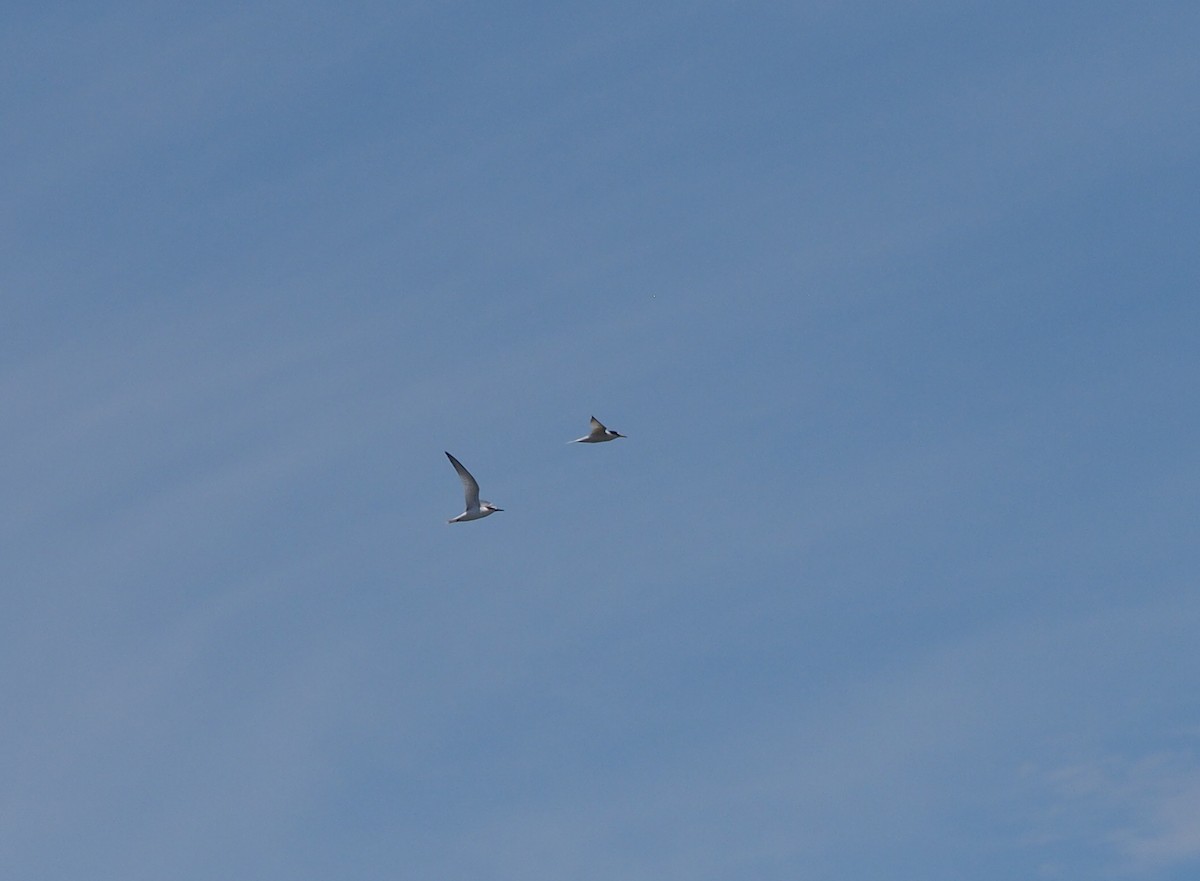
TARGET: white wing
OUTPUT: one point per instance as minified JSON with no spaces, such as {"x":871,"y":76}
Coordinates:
{"x":470,"y":487}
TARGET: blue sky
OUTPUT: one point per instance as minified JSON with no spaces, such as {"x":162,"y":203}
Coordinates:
{"x":895,"y":576}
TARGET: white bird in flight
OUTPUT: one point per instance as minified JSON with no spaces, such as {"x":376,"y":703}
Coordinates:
{"x":475,"y":508}
{"x":599,"y":434}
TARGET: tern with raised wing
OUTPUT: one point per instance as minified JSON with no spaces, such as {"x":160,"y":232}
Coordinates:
{"x":475,"y":508}
{"x":599,"y":434}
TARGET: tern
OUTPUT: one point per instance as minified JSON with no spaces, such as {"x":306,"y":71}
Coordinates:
{"x":599,"y":434}
{"x":475,"y":508}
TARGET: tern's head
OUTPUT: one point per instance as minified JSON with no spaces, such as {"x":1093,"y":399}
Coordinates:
{"x":488,"y":506}
{"x":615,"y":433}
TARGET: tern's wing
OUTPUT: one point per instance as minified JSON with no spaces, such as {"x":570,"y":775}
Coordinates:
{"x":597,"y":427}
{"x":470,"y":487}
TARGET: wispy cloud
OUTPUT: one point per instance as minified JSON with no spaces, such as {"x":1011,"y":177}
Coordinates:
{"x":1143,"y":811}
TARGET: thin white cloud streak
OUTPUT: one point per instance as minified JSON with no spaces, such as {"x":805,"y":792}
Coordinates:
{"x":868,"y":763}
{"x":1138,"y":814}
{"x":874,"y":766}
{"x":1169,"y":835}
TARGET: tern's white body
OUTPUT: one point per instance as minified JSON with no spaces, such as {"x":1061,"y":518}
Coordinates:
{"x":598,"y":435}
{"x":475,"y":508}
